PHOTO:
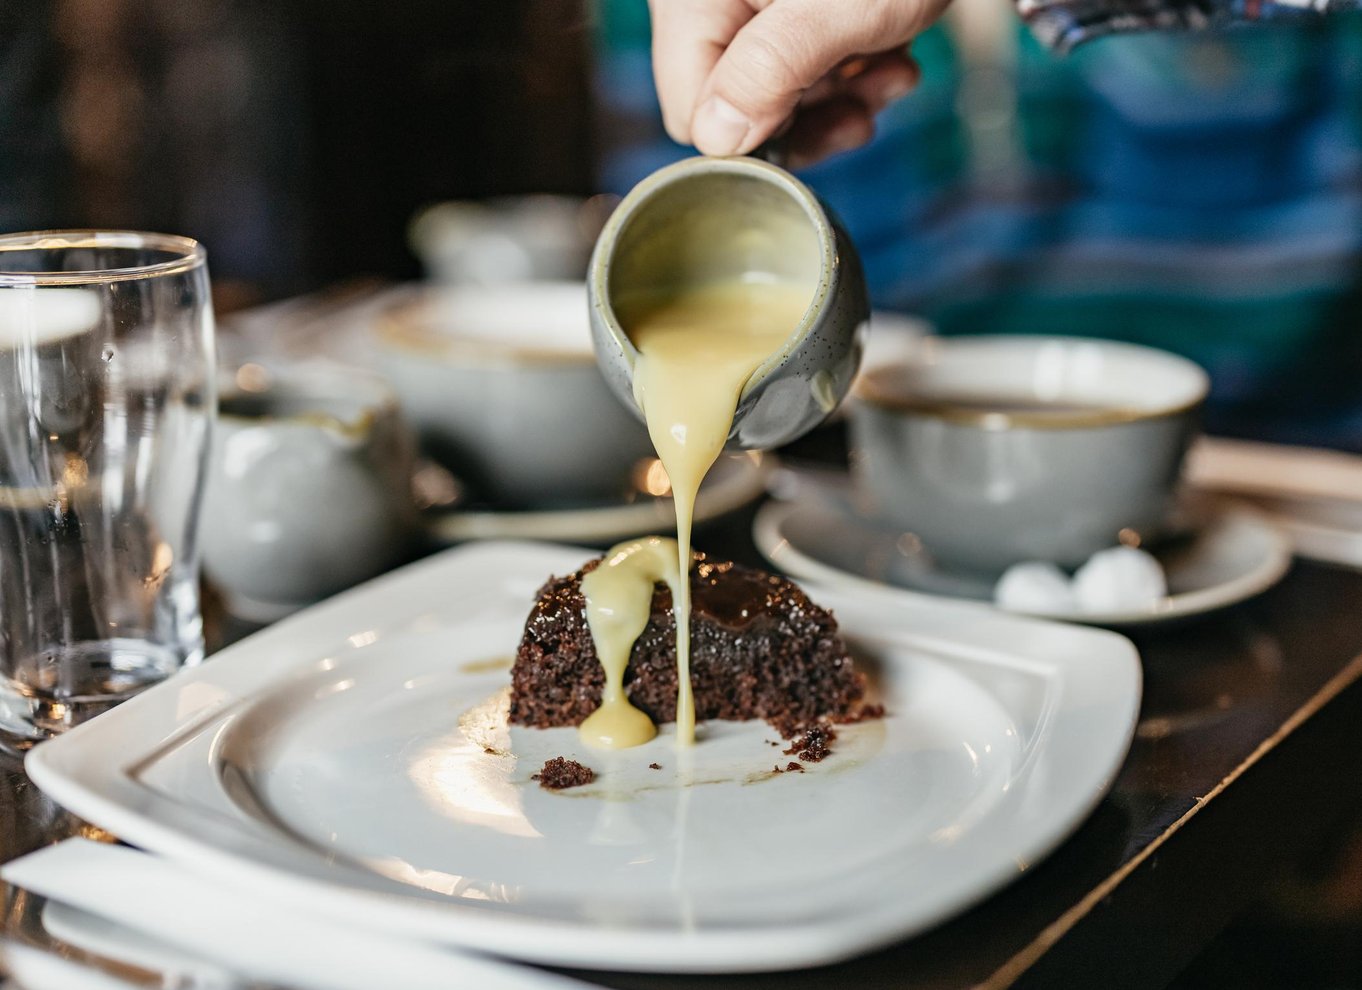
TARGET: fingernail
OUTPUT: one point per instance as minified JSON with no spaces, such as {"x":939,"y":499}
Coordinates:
{"x":719,"y":127}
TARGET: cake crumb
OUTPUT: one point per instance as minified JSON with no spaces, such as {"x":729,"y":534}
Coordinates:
{"x":654,"y":766}
{"x":814,"y":744}
{"x":793,"y":767}
{"x":862,"y":714}
{"x":560,"y":773}
{"x":787,"y":726}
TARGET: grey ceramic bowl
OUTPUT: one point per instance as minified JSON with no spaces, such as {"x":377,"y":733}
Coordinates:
{"x":994,"y":450}
{"x":704,"y":220}
{"x":502,"y":386}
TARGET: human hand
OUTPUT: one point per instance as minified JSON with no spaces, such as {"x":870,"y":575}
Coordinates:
{"x":733,"y":73}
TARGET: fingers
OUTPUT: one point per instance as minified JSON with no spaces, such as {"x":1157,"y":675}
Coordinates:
{"x":835,"y":125}
{"x":883,"y":79}
{"x":838,"y":113}
{"x":783,"y":51}
{"x":689,"y":36}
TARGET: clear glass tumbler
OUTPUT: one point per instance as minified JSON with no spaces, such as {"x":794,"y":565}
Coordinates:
{"x":106,"y":401}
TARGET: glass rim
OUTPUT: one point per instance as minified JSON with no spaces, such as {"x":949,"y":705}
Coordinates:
{"x":187,"y":254}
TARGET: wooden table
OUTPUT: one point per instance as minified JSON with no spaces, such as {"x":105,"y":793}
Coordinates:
{"x":1249,"y":750}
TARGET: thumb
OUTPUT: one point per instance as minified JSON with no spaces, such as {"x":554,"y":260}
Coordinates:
{"x":781,"y":52}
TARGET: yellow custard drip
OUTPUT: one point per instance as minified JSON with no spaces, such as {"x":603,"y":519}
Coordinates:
{"x":619,"y":600}
{"x":697,"y":350}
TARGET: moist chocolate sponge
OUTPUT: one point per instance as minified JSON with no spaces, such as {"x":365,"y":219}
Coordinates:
{"x":759,"y":649}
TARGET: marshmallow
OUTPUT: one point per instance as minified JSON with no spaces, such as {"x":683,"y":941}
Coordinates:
{"x":1121,"y":579}
{"x":1035,"y":586}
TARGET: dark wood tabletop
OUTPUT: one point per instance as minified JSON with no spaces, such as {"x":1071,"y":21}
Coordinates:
{"x":1248,"y":752}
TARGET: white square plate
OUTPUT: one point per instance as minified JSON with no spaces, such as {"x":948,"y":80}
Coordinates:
{"x":353,"y":761}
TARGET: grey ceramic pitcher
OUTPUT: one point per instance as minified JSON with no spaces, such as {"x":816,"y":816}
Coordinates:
{"x":705,"y":220}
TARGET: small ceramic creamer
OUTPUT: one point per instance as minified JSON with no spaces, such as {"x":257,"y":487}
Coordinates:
{"x":309,"y":488}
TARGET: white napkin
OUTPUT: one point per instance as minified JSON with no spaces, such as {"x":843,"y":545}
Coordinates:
{"x":1277,"y":470}
{"x":1314,"y":495}
{"x":31,"y":968}
{"x":240,"y":935}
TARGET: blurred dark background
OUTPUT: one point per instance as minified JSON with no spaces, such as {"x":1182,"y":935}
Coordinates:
{"x":295,"y":138}
{"x":1200,"y":193}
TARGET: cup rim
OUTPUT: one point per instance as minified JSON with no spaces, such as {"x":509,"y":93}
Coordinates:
{"x":397,"y":328}
{"x":188,"y":254}
{"x":863,"y":390}
{"x":326,"y":382}
{"x":828,"y":277}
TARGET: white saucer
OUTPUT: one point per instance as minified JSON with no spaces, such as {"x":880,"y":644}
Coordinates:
{"x":1229,"y":554}
{"x":734,"y":481}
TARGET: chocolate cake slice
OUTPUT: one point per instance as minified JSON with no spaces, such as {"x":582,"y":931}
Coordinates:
{"x":759,"y":649}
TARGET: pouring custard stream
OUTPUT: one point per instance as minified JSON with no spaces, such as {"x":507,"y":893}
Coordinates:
{"x":698,"y":347}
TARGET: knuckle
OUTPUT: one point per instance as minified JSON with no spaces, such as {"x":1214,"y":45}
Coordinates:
{"x":767,"y":72}
{"x":889,"y":22}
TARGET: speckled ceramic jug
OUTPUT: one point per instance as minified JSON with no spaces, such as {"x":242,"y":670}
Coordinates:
{"x":705,"y":220}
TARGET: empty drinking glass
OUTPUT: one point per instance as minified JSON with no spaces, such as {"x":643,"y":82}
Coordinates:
{"x":106,"y":396}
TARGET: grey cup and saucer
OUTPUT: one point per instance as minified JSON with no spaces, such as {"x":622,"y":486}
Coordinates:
{"x":1001,"y":449}
{"x":1222,"y":553}
{"x":972,"y":454}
